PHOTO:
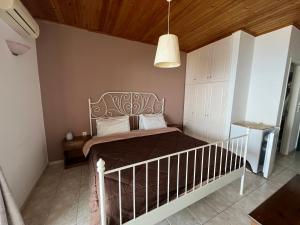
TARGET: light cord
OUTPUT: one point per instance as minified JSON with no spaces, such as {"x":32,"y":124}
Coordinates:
{"x":169,"y":16}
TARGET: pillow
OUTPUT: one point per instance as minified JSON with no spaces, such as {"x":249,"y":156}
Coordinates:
{"x":112,"y":125}
{"x":152,"y":121}
{"x":141,"y":124}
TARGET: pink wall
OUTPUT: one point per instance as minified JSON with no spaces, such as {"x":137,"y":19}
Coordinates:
{"x":75,"y":64}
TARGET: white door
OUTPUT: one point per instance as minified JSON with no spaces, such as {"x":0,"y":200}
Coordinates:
{"x":296,"y":124}
{"x":291,"y":127}
{"x":217,"y":111}
{"x":221,"y":59}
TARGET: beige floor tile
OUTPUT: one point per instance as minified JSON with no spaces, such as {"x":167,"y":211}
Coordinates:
{"x":283,"y":177}
{"x":37,"y":207}
{"x":277,"y":170}
{"x":49,"y":179}
{"x":269,"y":188}
{"x":218,"y":201}
{"x":218,"y":220}
{"x":230,"y":216}
{"x":37,"y":220}
{"x":64,"y":200}
{"x":69,"y":186}
{"x":164,"y":222}
{"x":202,"y":211}
{"x":83,"y":212}
{"x":63,"y":215}
{"x":73,"y":172}
{"x":55,"y":169}
{"x":44,"y":191}
{"x":253,"y":200}
{"x":184,"y":217}
{"x":83,"y":222}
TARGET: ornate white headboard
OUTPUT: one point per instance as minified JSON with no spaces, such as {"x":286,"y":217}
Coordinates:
{"x":124,"y":103}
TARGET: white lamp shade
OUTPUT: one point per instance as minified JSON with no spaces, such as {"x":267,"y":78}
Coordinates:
{"x":167,"y":52}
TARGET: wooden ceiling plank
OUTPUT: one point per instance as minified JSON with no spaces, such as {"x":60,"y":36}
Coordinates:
{"x":57,"y":11}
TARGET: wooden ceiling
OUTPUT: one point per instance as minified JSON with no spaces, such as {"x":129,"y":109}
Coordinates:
{"x":196,"y":22}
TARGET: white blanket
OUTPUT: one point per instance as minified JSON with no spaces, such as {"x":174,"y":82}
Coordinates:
{"x":9,"y":211}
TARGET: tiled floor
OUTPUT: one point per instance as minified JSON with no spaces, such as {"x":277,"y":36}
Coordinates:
{"x":61,"y":198}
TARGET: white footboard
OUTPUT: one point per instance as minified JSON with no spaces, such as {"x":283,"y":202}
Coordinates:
{"x":236,"y":169}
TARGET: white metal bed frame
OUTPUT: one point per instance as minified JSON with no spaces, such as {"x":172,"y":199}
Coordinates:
{"x":135,"y":103}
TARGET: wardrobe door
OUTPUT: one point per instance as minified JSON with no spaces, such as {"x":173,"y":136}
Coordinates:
{"x":200,"y":119}
{"x":189,"y":109}
{"x":195,"y":110}
{"x":204,"y":62}
{"x":221,"y":59}
{"x":192,"y":67}
{"x":217,"y":111}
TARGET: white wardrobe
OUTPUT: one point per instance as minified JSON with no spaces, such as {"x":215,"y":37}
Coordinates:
{"x":210,"y":87}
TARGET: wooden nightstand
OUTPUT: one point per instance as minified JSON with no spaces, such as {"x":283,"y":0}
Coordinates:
{"x":179,"y":126}
{"x":73,"y":155}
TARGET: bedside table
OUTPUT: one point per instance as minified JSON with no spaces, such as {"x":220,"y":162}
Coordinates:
{"x":179,"y":126}
{"x":73,"y":155}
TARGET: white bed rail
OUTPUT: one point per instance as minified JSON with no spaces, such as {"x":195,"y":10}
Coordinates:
{"x":216,"y":180}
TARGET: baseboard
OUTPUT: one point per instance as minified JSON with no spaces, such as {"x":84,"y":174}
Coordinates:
{"x":55,"y":162}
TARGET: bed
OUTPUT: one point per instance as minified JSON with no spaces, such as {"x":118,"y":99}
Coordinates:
{"x":144,"y":176}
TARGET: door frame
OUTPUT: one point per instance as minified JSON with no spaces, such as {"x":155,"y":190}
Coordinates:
{"x":295,"y":61}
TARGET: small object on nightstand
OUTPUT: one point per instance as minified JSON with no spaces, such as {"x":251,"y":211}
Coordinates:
{"x":69,"y":136}
{"x":73,"y":154}
{"x":179,"y":126}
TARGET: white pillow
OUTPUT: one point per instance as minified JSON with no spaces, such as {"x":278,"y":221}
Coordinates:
{"x":152,"y":121}
{"x":141,"y":123}
{"x":112,"y":125}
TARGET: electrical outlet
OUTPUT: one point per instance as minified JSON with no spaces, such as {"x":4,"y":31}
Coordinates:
{"x":84,"y":133}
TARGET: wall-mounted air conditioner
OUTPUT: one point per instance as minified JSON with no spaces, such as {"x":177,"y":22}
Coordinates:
{"x":14,"y":13}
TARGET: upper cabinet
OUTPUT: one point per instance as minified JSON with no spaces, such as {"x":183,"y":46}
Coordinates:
{"x":221,"y":59}
{"x":210,"y":63}
{"x":191,"y":67}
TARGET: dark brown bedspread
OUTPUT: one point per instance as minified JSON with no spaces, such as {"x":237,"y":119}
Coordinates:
{"x":125,"y":152}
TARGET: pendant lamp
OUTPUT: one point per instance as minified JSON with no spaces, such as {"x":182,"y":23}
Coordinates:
{"x":167,"y":52}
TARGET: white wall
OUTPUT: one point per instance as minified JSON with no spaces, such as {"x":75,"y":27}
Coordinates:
{"x":270,"y":60}
{"x":294,"y":49}
{"x":22,"y":136}
{"x":243,"y":45}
